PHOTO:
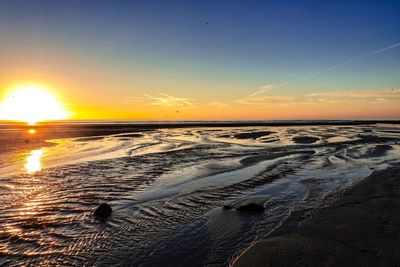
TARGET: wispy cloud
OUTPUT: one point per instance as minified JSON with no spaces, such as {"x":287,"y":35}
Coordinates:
{"x":331,"y":97}
{"x":267,"y":88}
{"x":262,"y":90}
{"x":138,"y":99}
{"x":168,"y":101}
{"x":266,"y":100}
{"x":341,"y":96}
{"x":262,"y":97}
{"x":219,"y":104}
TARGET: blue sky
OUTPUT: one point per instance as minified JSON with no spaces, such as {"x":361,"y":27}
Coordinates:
{"x":131,"y":48}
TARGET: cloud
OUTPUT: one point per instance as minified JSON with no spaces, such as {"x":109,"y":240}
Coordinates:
{"x":134,"y":99}
{"x":260,"y":98}
{"x":268,"y":88}
{"x":354,"y":96}
{"x":266,"y":100}
{"x":263,"y":89}
{"x":218,"y":104}
{"x":331,"y":97}
{"x":168,"y":101}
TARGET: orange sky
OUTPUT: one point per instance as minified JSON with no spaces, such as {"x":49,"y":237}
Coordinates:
{"x":120,"y":62}
{"x":378,"y":104}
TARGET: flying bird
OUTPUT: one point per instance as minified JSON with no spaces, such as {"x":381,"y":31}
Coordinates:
{"x":207,"y":22}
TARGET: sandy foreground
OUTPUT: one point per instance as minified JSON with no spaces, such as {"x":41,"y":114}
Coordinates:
{"x":361,"y":228}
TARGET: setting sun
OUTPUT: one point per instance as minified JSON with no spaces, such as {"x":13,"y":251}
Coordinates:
{"x":198,"y":133}
{"x":31,"y":104}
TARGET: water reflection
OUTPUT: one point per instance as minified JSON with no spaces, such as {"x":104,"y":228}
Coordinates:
{"x":32,"y":131}
{"x":33,"y":161}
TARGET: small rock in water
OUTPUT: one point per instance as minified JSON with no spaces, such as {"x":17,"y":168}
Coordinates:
{"x":251,"y":207}
{"x":103,"y":211}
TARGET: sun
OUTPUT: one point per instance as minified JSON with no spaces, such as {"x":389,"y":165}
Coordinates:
{"x":31,"y":104}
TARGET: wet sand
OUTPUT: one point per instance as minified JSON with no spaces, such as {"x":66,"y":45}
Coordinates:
{"x":167,"y":188}
{"x":361,"y":228}
{"x":11,"y":151}
{"x":18,"y":145}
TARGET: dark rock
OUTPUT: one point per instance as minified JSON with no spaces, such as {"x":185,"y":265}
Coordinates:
{"x":251,"y":204}
{"x":251,"y":207}
{"x":103,"y":211}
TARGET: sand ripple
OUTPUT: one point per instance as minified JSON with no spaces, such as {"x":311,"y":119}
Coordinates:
{"x":167,"y":187}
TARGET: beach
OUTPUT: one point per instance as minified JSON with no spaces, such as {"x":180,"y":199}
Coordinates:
{"x":360,"y":228}
{"x":199,"y":133}
{"x":199,"y":194}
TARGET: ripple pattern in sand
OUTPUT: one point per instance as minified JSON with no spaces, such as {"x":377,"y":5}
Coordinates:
{"x":167,"y":188}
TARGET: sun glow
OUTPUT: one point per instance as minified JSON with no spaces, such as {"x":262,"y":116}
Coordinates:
{"x":31,"y":104}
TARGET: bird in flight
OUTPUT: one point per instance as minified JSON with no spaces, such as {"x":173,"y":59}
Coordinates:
{"x":207,"y":22}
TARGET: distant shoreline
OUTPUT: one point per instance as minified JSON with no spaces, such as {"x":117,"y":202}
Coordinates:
{"x":73,"y":129}
{"x":186,"y":124}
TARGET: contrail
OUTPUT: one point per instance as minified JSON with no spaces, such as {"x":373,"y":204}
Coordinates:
{"x":307,"y":77}
{"x":354,"y":59}
{"x":267,"y":88}
{"x":310,"y":80}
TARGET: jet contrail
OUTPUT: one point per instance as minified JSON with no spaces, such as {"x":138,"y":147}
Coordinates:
{"x":267,"y":88}
{"x":307,"y":77}
{"x":310,"y":80}
{"x":354,"y":59}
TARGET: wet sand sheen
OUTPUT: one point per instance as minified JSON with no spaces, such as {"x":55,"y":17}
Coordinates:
{"x":167,"y":188}
{"x":359,"y":229}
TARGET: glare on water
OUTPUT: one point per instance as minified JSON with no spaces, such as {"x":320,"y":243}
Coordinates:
{"x":33,"y":161}
{"x":167,"y":187}
{"x":32,"y":131}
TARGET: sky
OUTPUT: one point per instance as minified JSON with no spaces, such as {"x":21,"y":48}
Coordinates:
{"x":207,"y":60}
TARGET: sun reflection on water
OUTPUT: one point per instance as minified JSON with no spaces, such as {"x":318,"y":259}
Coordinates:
{"x":32,"y":131}
{"x":33,"y":161}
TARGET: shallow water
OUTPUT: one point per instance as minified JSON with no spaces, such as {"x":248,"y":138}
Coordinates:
{"x":167,"y":187}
